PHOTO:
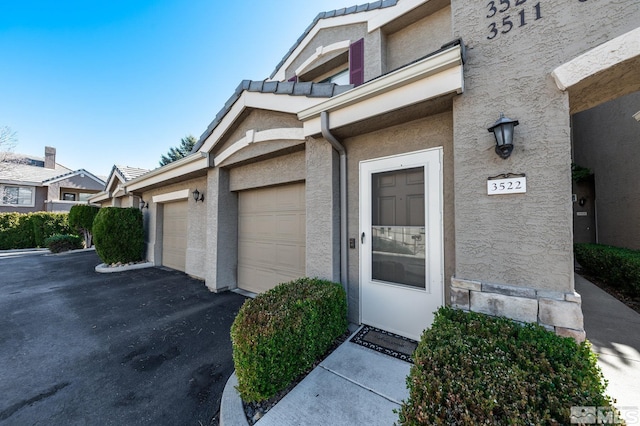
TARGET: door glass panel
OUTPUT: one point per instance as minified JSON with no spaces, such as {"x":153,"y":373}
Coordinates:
{"x":398,"y":227}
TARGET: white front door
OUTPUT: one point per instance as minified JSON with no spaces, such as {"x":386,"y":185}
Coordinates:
{"x":401,"y":260}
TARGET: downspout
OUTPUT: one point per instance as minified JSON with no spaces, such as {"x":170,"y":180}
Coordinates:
{"x":342,"y":152}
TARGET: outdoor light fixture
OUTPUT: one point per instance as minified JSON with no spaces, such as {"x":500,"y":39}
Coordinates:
{"x":143,"y":204}
{"x":502,"y":129}
{"x":197,"y":195}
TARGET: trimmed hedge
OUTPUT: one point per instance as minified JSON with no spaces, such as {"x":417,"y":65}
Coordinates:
{"x":29,"y":230}
{"x":59,"y":243}
{"x":281,"y":333}
{"x":474,"y":369}
{"x":616,"y":266}
{"x":118,"y":235}
{"x":81,"y":218}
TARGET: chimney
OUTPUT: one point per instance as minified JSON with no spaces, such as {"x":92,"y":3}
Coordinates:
{"x":49,"y":157}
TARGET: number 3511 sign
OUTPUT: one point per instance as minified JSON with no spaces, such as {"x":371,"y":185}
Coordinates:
{"x":506,"y":185}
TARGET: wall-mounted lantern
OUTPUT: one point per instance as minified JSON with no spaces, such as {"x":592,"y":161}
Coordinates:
{"x":197,"y":196}
{"x":502,"y":129}
{"x":143,"y":204}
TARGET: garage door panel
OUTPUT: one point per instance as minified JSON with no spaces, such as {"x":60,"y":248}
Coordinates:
{"x":271,"y":236}
{"x":174,"y":235}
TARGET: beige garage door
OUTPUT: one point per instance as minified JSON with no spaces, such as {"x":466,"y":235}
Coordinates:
{"x":174,"y":235}
{"x":271,"y":236}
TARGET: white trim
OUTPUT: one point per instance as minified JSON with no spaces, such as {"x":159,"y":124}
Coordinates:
{"x":253,"y":136}
{"x":335,"y":21}
{"x":99,"y":196}
{"x":20,"y":183}
{"x":637,"y":116}
{"x":430,"y":78}
{"x":111,"y":180}
{"x":321,"y":51}
{"x":32,"y":202}
{"x":183,"y":194}
{"x":447,"y":59}
{"x":72,"y":174}
{"x":598,"y":59}
{"x":258,"y":100}
{"x":191,"y":163}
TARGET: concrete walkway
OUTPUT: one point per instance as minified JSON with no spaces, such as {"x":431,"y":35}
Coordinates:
{"x":352,"y":386}
{"x":614,"y":331}
{"x":357,"y":386}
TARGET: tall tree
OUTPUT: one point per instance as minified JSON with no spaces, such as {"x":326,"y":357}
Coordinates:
{"x":176,"y":153}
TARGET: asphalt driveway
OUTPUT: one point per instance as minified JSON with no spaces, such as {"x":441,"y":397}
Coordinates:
{"x":149,"y":346}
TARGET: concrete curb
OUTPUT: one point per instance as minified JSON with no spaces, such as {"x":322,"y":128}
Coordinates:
{"x":104,"y":269}
{"x":231,"y":409}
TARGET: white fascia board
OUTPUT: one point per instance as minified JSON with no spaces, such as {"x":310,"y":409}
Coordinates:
{"x":320,"y":52}
{"x":194,"y":162}
{"x":252,"y":136}
{"x":398,"y":10}
{"x":267,"y":101}
{"x":183,"y":194}
{"x":432,"y":77}
{"x":112,"y":179}
{"x":19,"y":182}
{"x":446,"y":82}
{"x":100,"y":196}
{"x":598,"y":59}
{"x":336,"y":21}
{"x":75,"y":173}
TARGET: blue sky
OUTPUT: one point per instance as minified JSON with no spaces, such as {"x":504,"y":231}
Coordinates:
{"x":121,"y":81}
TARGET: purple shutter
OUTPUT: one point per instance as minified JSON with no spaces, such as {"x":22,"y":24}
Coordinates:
{"x":294,"y":79}
{"x":356,"y":62}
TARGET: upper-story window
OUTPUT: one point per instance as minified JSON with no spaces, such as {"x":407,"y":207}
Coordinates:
{"x":341,"y":77}
{"x":23,"y":196}
{"x":69,"y":196}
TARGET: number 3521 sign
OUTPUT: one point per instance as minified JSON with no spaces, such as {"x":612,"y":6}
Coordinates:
{"x":514,"y":185}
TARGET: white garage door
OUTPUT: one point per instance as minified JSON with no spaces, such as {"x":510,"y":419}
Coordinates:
{"x":174,"y":235}
{"x":271,"y":236}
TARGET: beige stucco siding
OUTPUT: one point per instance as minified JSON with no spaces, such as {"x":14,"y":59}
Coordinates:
{"x":257,"y":120}
{"x":327,"y":37}
{"x":418,"y":39}
{"x":430,"y":132}
{"x":613,"y":156}
{"x":275,"y":171}
{"x":195,"y":264}
{"x":525,"y":239}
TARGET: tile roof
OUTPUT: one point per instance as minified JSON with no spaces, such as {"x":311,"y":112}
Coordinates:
{"x":22,"y":168}
{"x":366,"y":7}
{"x":129,"y":173}
{"x":309,"y":89}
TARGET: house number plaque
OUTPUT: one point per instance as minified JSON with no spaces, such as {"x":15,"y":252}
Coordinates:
{"x":507,"y":184}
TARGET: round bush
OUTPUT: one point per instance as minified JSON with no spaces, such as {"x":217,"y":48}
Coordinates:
{"x":63,"y":242}
{"x":118,"y":235}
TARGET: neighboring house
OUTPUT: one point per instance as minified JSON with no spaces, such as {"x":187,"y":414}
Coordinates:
{"x":114,"y":193}
{"x":31,"y":184}
{"x":365,"y":159}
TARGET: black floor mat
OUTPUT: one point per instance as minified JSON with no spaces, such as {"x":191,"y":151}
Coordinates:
{"x":387,"y":343}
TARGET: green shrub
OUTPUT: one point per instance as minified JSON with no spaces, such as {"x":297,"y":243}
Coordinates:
{"x":474,"y":369}
{"x":118,"y":235}
{"x":63,"y":242}
{"x":281,"y":333}
{"x":81,"y":218}
{"x":616,"y":266}
{"x":28,"y":230}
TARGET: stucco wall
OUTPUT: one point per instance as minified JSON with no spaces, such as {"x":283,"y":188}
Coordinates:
{"x":418,"y":39}
{"x":524,"y":239}
{"x":274,"y":171}
{"x":257,"y":120}
{"x":40,"y":198}
{"x":606,"y":139}
{"x":327,"y":37}
{"x":430,"y":132}
{"x":196,"y":226}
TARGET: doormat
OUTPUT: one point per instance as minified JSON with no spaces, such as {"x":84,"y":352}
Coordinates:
{"x":387,"y":343}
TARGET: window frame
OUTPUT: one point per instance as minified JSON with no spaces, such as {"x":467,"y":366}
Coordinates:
{"x":4,"y":198}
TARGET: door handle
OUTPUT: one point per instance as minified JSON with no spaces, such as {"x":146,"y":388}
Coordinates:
{"x":362,"y":238}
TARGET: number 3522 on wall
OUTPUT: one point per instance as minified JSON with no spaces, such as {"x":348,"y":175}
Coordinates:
{"x":516,"y":185}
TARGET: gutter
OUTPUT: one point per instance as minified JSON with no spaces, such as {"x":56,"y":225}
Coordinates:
{"x":342,"y":152}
